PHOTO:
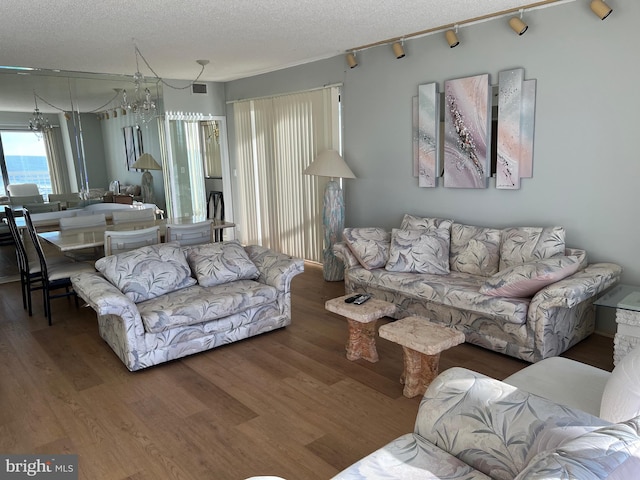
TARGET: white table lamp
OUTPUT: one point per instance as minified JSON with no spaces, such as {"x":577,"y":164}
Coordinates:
{"x":146,"y":162}
{"x":330,"y":163}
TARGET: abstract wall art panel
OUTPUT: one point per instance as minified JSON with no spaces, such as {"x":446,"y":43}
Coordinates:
{"x":509,"y":126}
{"x":428,"y":138}
{"x":527,"y":128}
{"x":467,"y":132}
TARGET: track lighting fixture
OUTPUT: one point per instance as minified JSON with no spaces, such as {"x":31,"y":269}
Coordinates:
{"x":601,"y":9}
{"x":517,"y":25}
{"x":351,"y":60}
{"x":398,"y":49}
{"x":452,"y":37}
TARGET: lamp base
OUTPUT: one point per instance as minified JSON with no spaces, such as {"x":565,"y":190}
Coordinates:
{"x":333,"y":221}
{"x":146,"y":187}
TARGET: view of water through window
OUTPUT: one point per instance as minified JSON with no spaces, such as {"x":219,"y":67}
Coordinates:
{"x":26,"y":160}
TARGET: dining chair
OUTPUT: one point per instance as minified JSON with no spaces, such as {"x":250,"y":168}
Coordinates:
{"x":42,"y":207}
{"x":67,"y":200}
{"x":55,"y":276}
{"x":19,"y":200}
{"x":22,"y":189}
{"x":190,"y":234}
{"x":30,"y":273}
{"x":132,"y":215}
{"x":84,"y":222}
{"x":118,"y":241}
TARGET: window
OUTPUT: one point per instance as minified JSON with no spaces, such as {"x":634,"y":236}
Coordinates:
{"x":276,"y":139}
{"x":23,"y":159}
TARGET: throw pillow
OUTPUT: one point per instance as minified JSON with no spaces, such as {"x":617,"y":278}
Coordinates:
{"x":621,"y":396}
{"x":410,"y":222}
{"x":525,"y":244}
{"x":218,"y":263}
{"x":369,"y":245}
{"x":419,"y":251}
{"x":525,"y":280}
{"x":475,"y":250}
{"x":147,"y":272}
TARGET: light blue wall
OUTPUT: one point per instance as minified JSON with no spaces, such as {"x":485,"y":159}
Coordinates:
{"x":586,"y":165}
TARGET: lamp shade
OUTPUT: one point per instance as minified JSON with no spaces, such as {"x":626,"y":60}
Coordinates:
{"x":329,"y":164}
{"x":146,"y":162}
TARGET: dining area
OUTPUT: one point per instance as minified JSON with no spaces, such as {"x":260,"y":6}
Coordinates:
{"x":52,"y":246}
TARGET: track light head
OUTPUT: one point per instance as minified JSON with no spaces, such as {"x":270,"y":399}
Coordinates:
{"x":452,"y":38}
{"x":517,"y":25}
{"x":351,"y":60}
{"x":601,"y":9}
{"x":398,"y":49}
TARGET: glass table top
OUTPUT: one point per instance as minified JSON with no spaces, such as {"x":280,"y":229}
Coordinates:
{"x":626,"y":297}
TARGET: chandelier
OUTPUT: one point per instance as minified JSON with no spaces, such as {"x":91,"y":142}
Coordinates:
{"x":38,"y":123}
{"x":141,"y":105}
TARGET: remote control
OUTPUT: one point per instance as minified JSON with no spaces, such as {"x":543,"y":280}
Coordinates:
{"x":361,"y":299}
{"x":353,"y":298}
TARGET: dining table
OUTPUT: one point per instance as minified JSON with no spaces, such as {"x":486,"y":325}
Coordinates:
{"x":90,"y":237}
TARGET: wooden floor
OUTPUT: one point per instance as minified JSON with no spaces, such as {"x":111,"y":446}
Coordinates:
{"x":286,"y":403}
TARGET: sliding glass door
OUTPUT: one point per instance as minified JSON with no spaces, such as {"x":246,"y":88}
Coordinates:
{"x":23,"y":159}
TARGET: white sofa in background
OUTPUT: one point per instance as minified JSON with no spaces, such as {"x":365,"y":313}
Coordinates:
{"x":519,"y":291}
{"x":472,"y":427}
{"x":163,"y":302}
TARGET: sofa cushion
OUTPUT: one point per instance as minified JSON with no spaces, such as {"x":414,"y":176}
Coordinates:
{"x":369,"y":245}
{"x":419,"y":251}
{"x":474,"y":250}
{"x":524,"y":244}
{"x":218,"y":263}
{"x":525,"y":280}
{"x":458,"y":290}
{"x":411,"y":222}
{"x":199,"y":304}
{"x":621,"y":396}
{"x":147,"y":272}
{"x":611,"y":452}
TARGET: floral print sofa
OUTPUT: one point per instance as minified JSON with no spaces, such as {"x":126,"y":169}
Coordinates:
{"x":519,"y":291}
{"x":163,"y":302}
{"x":470,"y":427}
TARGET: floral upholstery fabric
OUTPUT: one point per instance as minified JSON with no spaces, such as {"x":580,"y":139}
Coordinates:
{"x":419,"y":251}
{"x":525,"y":244}
{"x":121,"y":326}
{"x":470,"y":426}
{"x":147,"y":272}
{"x":527,"y":279}
{"x":369,"y":245}
{"x":411,"y":222}
{"x":475,"y":250}
{"x":218,"y":263}
{"x":199,"y":304}
{"x":557,"y":317}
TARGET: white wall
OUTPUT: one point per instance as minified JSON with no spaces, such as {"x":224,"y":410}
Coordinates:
{"x":586,"y":165}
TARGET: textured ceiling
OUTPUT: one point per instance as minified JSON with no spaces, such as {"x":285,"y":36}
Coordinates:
{"x":240,"y":38}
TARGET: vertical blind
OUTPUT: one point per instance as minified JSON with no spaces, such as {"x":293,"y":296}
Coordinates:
{"x":276,"y":139}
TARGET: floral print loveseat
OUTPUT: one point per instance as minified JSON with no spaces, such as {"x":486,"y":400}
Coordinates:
{"x":162,"y":302}
{"x":519,"y":291}
{"x":472,"y":427}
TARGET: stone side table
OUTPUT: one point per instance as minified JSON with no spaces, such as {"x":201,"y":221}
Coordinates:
{"x":362,"y":324}
{"x":626,"y":300}
{"x":422,"y":342}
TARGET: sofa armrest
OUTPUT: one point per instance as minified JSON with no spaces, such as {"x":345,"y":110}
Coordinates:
{"x":276,"y":269}
{"x":103,"y":296}
{"x":492,"y":426}
{"x":577,"y":288}
{"x":344,"y":253}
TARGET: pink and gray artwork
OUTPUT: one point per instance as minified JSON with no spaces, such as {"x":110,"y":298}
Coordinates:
{"x":467,"y":122}
{"x":428,"y":143}
{"x":509,"y":127}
